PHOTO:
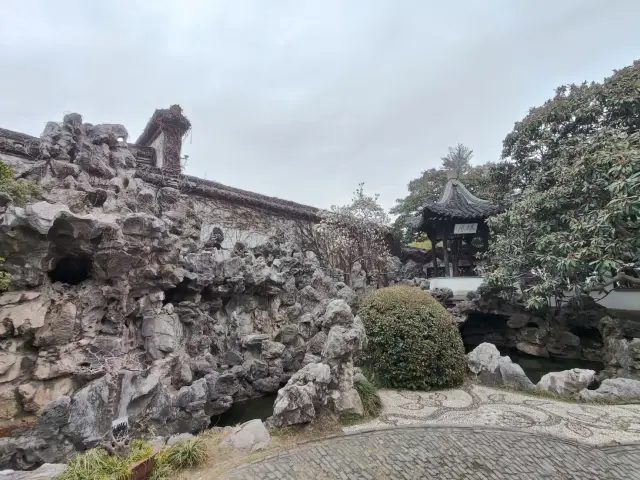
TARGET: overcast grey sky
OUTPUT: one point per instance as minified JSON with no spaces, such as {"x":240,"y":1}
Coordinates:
{"x":305,"y":99}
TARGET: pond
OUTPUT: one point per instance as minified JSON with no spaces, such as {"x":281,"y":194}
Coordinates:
{"x":241,"y":412}
{"x":536,"y":367}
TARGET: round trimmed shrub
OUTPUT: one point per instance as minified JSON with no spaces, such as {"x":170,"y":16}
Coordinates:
{"x":413,"y":342}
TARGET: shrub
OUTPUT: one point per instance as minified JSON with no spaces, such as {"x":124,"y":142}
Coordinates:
{"x":187,"y":454}
{"x":413,"y":342}
{"x":371,"y":401}
{"x":21,"y":190}
{"x":95,"y":464}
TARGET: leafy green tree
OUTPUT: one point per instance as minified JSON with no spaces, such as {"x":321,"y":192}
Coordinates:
{"x":572,"y":173}
{"x":430,"y":184}
{"x":458,"y":159}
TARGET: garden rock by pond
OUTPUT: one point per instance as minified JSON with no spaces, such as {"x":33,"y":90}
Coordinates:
{"x":249,"y":436}
{"x":492,"y":369}
{"x":611,"y":389}
{"x":568,"y":382}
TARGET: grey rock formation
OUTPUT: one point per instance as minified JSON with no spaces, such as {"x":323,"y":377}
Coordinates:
{"x":48,"y":471}
{"x":249,"y":436}
{"x":329,"y":381}
{"x":491,"y":369}
{"x":125,"y":308}
{"x":613,"y":388}
{"x":567,"y":382}
{"x":305,"y":392}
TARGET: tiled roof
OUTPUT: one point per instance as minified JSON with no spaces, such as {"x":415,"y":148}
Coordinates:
{"x":458,"y":202}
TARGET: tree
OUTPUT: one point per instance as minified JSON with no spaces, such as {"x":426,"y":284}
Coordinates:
{"x":429,"y":187}
{"x":350,"y":234}
{"x":572,"y":171}
{"x":458,"y":159}
{"x":573,"y":112}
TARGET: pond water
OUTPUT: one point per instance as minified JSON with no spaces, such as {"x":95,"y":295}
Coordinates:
{"x":536,"y":367}
{"x":240,"y":412}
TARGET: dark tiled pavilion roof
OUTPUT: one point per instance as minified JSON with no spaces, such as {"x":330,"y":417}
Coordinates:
{"x":456,"y":202}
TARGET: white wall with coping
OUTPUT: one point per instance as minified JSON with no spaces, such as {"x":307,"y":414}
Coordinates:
{"x":617,"y":299}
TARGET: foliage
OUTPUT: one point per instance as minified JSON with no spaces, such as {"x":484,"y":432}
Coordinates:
{"x":430,"y":185}
{"x":413,"y":342}
{"x":350,"y":234}
{"x":98,"y":464}
{"x":187,"y":454}
{"x":95,"y":464}
{"x":5,"y":278}
{"x":348,"y":419}
{"x":20,"y":190}
{"x":371,"y":401}
{"x":573,"y":176}
{"x":458,"y":159}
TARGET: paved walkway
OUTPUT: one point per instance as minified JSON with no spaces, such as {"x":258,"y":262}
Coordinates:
{"x":481,"y":406}
{"x":450,"y":453}
{"x":475,"y":432}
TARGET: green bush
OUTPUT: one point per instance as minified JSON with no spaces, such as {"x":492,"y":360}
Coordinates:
{"x":413,"y":342}
{"x":187,"y":454}
{"x":96,"y":464}
{"x":21,"y":190}
{"x":371,"y":401}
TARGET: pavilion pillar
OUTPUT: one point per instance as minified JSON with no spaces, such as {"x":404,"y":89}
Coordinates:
{"x":445,"y":248}
{"x":434,"y":257}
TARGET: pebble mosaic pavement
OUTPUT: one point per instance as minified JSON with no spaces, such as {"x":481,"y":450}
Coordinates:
{"x":470,"y":433}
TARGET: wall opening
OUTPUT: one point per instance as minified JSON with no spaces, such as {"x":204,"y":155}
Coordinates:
{"x":72,"y":270}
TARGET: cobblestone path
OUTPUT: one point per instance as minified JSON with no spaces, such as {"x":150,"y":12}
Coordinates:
{"x":451,"y":453}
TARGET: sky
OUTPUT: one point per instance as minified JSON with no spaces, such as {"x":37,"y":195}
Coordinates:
{"x":305,"y":99}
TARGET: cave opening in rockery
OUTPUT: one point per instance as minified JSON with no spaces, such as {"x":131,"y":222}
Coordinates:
{"x":72,"y":270}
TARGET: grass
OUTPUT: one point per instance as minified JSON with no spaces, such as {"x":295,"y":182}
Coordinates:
{"x":187,"y":454}
{"x":97,"y":464}
{"x":371,"y":404}
{"x":348,"y":419}
{"x":371,"y":401}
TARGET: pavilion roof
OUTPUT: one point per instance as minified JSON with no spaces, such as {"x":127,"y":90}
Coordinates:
{"x":456,"y":202}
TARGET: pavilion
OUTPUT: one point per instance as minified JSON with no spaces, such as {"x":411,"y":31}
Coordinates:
{"x":458,"y":219}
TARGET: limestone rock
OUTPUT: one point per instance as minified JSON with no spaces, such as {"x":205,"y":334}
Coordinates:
{"x":180,"y":438}
{"x":483,"y":361}
{"x":611,"y":389}
{"x":532,"y":349}
{"x":271,"y":350}
{"x":316,"y":344}
{"x":88,"y":414}
{"x":338,"y":313}
{"x":35,"y":395}
{"x":23,"y":316}
{"x":48,"y":471}
{"x":249,"y":436}
{"x":567,"y":382}
{"x":347,"y":402}
{"x":513,"y":376}
{"x":305,"y":391}
{"x":9,"y":407}
{"x":162,"y":334}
